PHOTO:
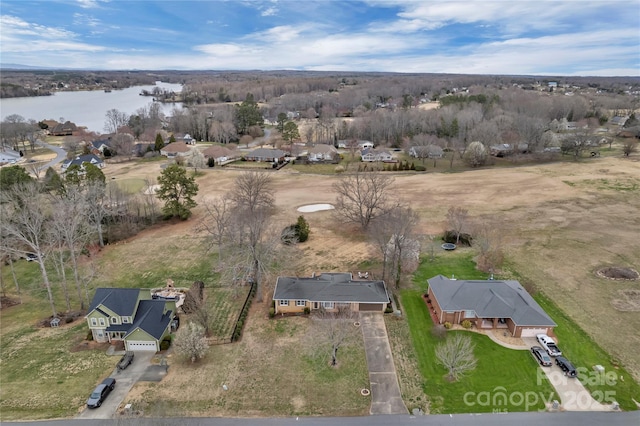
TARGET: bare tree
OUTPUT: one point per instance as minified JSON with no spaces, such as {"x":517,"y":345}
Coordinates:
{"x":457,"y":219}
{"x":629,"y":147}
{"x":196,"y":159}
{"x":363,"y":196}
{"x":395,"y":237}
{"x":217,"y":222}
{"x":487,"y":240}
{"x":576,"y":143}
{"x":24,"y":222}
{"x":122,"y":143}
{"x":333,"y":329}
{"x":191,"y":342}
{"x":97,"y":208}
{"x":253,"y":205}
{"x":456,"y":355}
{"x":115,"y":119}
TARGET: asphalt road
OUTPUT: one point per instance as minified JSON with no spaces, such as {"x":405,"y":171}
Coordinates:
{"x":61,"y":154}
{"x":510,"y":419}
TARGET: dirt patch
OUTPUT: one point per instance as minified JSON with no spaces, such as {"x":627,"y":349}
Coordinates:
{"x":618,"y":273}
{"x":629,"y":301}
{"x":89,"y":345}
{"x":66,"y":318}
{"x":7,"y":302}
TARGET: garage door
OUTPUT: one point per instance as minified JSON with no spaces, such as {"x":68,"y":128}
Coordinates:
{"x":141,"y":346}
{"x":367,"y":307}
{"x":531,"y":332}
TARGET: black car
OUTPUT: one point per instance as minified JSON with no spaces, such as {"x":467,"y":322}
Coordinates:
{"x":101,"y":392}
{"x":566,"y":366}
{"x":541,"y":356}
{"x":31,"y":257}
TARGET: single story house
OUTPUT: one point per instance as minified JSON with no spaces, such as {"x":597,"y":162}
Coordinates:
{"x":426,"y":151}
{"x":365,"y":144}
{"x":370,"y":155}
{"x":619,"y":121}
{"x":175,"y":149}
{"x":266,"y":155}
{"x":130,"y":315}
{"x":9,"y":156}
{"x":322,"y":153}
{"x":97,"y":147}
{"x":220,"y":153}
{"x":490,"y":304}
{"x":80,"y":160}
{"x":329,"y":291}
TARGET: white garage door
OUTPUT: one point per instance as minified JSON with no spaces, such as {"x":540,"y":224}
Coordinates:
{"x":531,"y":332}
{"x":141,"y":346}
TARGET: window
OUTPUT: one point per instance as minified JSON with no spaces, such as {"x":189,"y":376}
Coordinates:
{"x":125,"y":320}
{"x":114,"y":320}
{"x":94,"y":321}
{"x":301,"y":303}
{"x":469,"y":314}
{"x":327,"y":305}
{"x":284,"y":303}
{"x":101,"y":321}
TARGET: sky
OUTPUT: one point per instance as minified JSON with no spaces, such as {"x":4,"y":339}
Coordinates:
{"x":512,"y":37}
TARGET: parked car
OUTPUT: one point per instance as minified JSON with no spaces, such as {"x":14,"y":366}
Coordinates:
{"x":549,"y":345}
{"x":101,"y":392}
{"x":566,"y":366}
{"x":31,"y":257}
{"x":126,"y":359}
{"x":541,"y":356}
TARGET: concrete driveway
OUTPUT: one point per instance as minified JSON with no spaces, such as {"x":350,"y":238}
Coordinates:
{"x":61,"y":154}
{"x":124,"y":382}
{"x":573,"y":395}
{"x":385,"y":391}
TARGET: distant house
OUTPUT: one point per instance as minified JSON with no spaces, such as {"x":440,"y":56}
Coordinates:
{"x":97,"y":147}
{"x":266,"y":155}
{"x":64,"y":129}
{"x":365,"y":144}
{"x":487,"y":304}
{"x":322,"y":153}
{"x":619,"y":121}
{"x":220,"y":154}
{"x":132,"y":316}
{"x":426,"y":151}
{"x":81,"y":160}
{"x":370,"y":155}
{"x":187,"y":139}
{"x":329,"y":291}
{"x":175,"y":149}
{"x":9,"y":156}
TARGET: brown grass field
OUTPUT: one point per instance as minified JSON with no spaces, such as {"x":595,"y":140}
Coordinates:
{"x":560,"y":223}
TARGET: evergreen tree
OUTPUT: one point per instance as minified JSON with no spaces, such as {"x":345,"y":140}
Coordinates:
{"x":159,"y":143}
{"x":177,"y":191}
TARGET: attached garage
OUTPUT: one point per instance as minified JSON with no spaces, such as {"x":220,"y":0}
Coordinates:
{"x":137,"y":345}
{"x":370,"y":307}
{"x":531,"y":332}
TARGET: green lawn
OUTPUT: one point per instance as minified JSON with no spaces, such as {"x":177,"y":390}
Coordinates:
{"x":615,"y":384}
{"x":130,"y":186}
{"x":504,"y":379}
{"x":517,"y":368}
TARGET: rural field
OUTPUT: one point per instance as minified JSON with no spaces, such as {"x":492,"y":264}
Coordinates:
{"x":559,"y":222}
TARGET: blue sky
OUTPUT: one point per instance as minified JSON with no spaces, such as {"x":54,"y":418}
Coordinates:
{"x":469,"y":37}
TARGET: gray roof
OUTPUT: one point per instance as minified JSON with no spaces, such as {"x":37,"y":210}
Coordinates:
{"x":122,"y":301}
{"x":489,"y":299}
{"x":330,"y":287}
{"x":88,"y":158}
{"x":151,"y":318}
{"x":266,"y":153}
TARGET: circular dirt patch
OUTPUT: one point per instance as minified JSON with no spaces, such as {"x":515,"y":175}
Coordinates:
{"x":310,"y":208}
{"x":618,"y":273}
{"x":628,"y":301}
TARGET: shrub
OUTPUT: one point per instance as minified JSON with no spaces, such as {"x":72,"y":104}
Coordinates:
{"x":211,"y":162}
{"x":68,"y":320}
{"x":447,"y":325}
{"x":272,"y":312}
{"x":420,"y":168}
{"x":166,"y":343}
{"x":389,"y":309}
{"x":466,"y":324}
{"x":89,"y":335}
{"x":307,"y":311}
{"x":339,"y":169}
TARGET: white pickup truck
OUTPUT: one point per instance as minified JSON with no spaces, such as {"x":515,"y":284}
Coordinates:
{"x":548,"y":344}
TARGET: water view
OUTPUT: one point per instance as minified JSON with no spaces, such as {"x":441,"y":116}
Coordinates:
{"x":87,"y":108}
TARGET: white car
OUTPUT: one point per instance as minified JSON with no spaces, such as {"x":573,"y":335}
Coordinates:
{"x":549,"y":345}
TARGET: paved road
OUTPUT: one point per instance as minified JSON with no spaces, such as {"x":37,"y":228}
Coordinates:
{"x":510,"y":419}
{"x":61,"y":154}
{"x":124,"y":382}
{"x":385,"y":391}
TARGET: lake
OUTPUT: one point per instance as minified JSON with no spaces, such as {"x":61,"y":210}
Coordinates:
{"x":86,"y":108}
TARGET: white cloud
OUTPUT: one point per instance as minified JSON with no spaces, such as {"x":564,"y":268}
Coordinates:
{"x":88,"y":4}
{"x":83,"y":19}
{"x":269,"y":11}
